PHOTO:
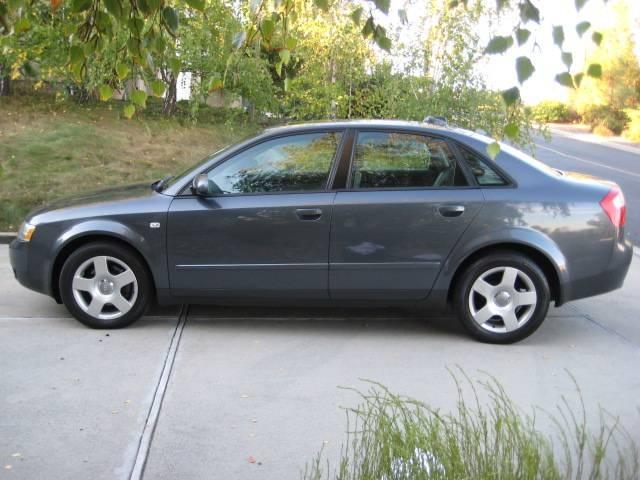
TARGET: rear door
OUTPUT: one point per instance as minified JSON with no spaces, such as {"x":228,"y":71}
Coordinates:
{"x":264,"y":230}
{"x":407,"y":201}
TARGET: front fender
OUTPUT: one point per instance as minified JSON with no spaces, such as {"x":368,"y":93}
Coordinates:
{"x":150,"y":245}
{"x":512,"y":236}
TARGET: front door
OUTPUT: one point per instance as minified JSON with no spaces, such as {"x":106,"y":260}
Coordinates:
{"x":406,"y":204}
{"x":264,"y":230}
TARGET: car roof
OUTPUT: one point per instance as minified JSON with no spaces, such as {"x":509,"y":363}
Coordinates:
{"x":357,"y":124}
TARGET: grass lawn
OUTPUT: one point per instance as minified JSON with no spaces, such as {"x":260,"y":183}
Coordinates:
{"x":51,"y":149}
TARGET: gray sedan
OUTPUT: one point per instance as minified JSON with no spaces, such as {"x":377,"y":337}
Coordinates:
{"x":351,"y":213}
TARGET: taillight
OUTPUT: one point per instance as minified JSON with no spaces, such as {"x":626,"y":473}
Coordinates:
{"x":614,"y":206}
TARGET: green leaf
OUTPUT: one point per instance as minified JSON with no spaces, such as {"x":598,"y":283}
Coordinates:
{"x":158,"y":87}
{"x":499,"y":45}
{"x":78,"y":6}
{"x":285,"y":56}
{"x":122,"y":69}
{"x":577,"y":78}
{"x":567,"y":59}
{"x":105,"y":92}
{"x":597,"y":38}
{"x":580,"y":4}
{"x":528,"y":12}
{"x":356,"y":15}
{"x":139,"y":98}
{"x":522,"y":35}
{"x":22,"y":25}
{"x":382,"y":5}
{"x":239,"y":39}
{"x":595,"y":70}
{"x":279,"y":69}
{"x":524,"y":68}
{"x":291,"y":43}
{"x":511,"y":96}
{"x":129,"y":110}
{"x":582,"y":27}
{"x":114,"y":8}
{"x":558,"y":35}
{"x":170,"y":18}
{"x":402,"y":15}
{"x":381,"y":39}
{"x":76,"y":54}
{"x":493,"y":149}
{"x":368,"y":27}
{"x":322,"y":5}
{"x":196,"y":4}
{"x":286,"y":84}
{"x":267,"y":28}
{"x":512,"y":131}
{"x":565,"y":79}
{"x":176,"y":65}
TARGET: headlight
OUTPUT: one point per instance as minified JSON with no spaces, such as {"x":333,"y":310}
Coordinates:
{"x":26,"y":232}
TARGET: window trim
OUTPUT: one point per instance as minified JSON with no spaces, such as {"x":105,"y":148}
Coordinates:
{"x":508,"y":179}
{"x":471,"y":184}
{"x":185,"y":192}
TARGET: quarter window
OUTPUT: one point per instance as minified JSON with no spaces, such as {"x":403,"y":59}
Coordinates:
{"x":288,"y":164}
{"x":402,"y":160}
{"x":483,"y":173}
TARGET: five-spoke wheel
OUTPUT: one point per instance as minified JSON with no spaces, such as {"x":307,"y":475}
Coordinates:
{"x":502,"y":298}
{"x":105,"y":285}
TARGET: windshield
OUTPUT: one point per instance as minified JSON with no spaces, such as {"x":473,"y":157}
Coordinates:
{"x":174,"y":178}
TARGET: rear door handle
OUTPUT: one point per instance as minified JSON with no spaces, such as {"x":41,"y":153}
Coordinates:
{"x":451,"y":210}
{"x":308,"y":214}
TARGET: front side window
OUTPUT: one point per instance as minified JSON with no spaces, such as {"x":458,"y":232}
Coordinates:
{"x":287,"y":164}
{"x":483,"y":173}
{"x":403,"y":160}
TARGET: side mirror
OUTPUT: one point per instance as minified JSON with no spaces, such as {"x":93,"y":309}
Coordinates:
{"x":200,"y":185}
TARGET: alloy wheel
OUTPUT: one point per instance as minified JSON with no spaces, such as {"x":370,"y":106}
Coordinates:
{"x":502,"y":299}
{"x":105,"y":287}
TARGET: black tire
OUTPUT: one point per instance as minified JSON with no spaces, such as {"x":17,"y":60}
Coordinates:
{"x":481,"y":267}
{"x":119,"y":252}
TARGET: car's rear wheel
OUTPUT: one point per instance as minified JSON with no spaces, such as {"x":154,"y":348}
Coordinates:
{"x":502,"y":298}
{"x":105,"y":285}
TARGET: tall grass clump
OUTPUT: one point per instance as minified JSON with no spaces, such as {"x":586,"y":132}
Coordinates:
{"x":486,"y":436}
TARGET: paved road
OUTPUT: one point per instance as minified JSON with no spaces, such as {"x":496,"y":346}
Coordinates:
{"x":195,"y":395}
{"x":622,"y":166}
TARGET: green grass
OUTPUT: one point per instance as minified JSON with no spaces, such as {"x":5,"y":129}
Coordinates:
{"x":56,"y":148}
{"x":487,"y":436}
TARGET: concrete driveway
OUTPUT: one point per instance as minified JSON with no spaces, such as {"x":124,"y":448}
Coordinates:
{"x":194,"y":393}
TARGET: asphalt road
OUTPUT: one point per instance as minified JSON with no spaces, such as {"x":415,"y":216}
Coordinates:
{"x":601,"y":160}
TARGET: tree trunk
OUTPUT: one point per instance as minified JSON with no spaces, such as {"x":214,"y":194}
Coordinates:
{"x":5,"y":81}
{"x":169,"y":106}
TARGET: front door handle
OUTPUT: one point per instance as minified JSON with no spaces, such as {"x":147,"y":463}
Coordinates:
{"x":309,"y":214}
{"x":451,"y":210}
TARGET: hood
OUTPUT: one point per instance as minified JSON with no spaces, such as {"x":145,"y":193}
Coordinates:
{"x":99,"y":197}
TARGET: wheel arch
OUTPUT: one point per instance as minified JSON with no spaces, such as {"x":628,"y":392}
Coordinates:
{"x":553,"y":267}
{"x":73,"y":243}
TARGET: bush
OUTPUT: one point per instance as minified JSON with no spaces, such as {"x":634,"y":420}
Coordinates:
{"x":632,"y":131}
{"x":397,"y":438}
{"x":551,"y":111}
{"x":605,"y":116}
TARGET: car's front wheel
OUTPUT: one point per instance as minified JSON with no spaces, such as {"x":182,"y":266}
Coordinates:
{"x":502,"y":298}
{"x":105,"y":285}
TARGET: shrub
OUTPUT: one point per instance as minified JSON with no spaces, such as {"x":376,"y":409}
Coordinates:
{"x":605,"y":116}
{"x":551,"y":111}
{"x":397,"y":438}
{"x":632,"y":131}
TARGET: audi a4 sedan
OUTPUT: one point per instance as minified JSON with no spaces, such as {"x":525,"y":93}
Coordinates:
{"x":361,"y":213}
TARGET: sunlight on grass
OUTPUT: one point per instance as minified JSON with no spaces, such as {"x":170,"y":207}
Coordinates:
{"x":51,"y":149}
{"x":391,"y":437}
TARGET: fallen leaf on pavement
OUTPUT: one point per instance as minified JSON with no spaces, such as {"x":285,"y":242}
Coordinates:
{"x":251,"y":460}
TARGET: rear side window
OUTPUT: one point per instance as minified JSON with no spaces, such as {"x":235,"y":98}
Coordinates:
{"x":403,"y":160}
{"x":287,"y":164}
{"x":483,"y":173}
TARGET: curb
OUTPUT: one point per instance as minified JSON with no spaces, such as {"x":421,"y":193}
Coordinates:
{"x":7,"y":237}
{"x":597,"y":141}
